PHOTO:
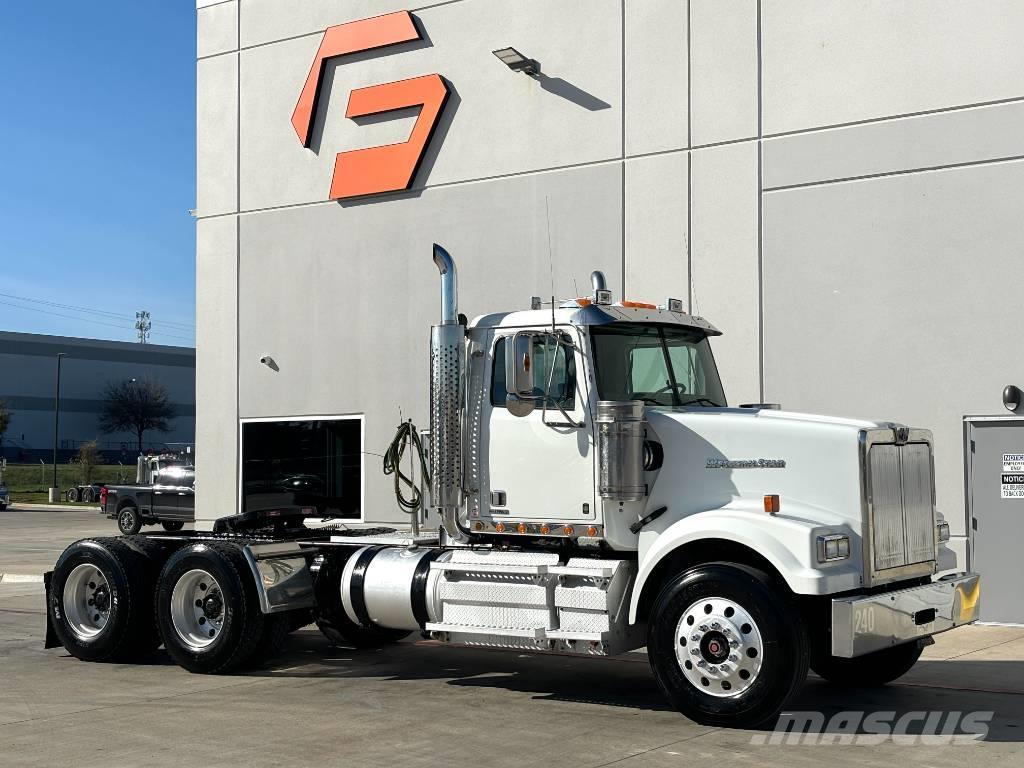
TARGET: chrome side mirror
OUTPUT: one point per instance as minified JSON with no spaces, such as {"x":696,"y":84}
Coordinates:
{"x":519,"y":399}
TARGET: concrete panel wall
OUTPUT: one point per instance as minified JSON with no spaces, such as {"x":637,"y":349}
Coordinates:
{"x":217,"y":368}
{"x":343,"y":299}
{"x":889,"y":298}
{"x":497,"y":122}
{"x":724,"y":285}
{"x":835,"y":61}
{"x":857,"y":147}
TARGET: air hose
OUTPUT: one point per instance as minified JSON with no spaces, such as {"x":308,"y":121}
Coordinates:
{"x":406,"y":438}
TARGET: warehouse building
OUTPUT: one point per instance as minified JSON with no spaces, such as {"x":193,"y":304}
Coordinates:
{"x":28,"y":384}
{"x":835,"y":185}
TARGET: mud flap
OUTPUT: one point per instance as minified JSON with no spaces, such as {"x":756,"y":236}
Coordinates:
{"x":51,"y":637}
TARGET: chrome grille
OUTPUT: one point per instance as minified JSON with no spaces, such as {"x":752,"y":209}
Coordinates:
{"x":902,"y":504}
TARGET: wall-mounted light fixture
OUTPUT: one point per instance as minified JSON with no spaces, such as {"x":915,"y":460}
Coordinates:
{"x":1012,"y":398}
{"x":517,"y":62}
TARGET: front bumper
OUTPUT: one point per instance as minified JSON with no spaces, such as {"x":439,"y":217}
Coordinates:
{"x":863,"y":624}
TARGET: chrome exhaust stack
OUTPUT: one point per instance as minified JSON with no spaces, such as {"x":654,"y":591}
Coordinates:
{"x":447,"y":367}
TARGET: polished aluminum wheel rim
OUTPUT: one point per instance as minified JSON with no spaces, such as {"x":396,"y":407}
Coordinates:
{"x":719,"y":647}
{"x":197,"y":609}
{"x":125,"y":520}
{"x":86,"y":601}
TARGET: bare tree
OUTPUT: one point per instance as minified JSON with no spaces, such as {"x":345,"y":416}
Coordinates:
{"x":5,"y":420}
{"x":136,"y":406}
{"x":88,"y":458}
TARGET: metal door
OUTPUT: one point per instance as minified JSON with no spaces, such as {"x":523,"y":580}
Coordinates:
{"x":995,"y":503}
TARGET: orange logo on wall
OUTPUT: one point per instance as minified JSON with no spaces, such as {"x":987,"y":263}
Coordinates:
{"x":388,"y":168}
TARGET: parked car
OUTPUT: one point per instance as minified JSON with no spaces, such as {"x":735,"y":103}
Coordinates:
{"x":163,"y":494}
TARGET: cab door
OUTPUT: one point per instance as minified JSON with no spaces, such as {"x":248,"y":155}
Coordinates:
{"x":540,"y":466}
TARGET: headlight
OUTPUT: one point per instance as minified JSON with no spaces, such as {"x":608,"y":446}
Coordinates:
{"x":834,"y":547}
{"x":942,"y":531}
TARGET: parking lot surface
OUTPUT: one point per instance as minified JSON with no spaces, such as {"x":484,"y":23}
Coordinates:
{"x":421,"y":704}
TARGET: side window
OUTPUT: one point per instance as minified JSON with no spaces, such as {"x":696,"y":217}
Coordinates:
{"x":545,"y":353}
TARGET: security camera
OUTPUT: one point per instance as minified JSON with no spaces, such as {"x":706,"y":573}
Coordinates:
{"x":1012,"y":397}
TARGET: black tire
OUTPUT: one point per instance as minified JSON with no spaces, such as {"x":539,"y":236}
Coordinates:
{"x":332,"y":620}
{"x":240,"y":619}
{"x":71,"y":495}
{"x":772,"y":643}
{"x":276,"y":628}
{"x":129,"y":631}
{"x":173,"y":525}
{"x":871,"y":670}
{"x":128,"y":521}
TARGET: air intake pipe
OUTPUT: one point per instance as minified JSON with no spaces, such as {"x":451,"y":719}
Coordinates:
{"x":447,"y":366}
{"x":597,"y":280}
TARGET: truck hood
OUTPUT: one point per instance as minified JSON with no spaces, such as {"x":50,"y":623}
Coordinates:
{"x":719,"y":457}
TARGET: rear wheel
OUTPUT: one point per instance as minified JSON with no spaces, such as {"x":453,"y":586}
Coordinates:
{"x":87,"y":495}
{"x":208,"y":610}
{"x":172,"y":525}
{"x":128,"y":521}
{"x":870,"y":670}
{"x":71,"y":495}
{"x":101,"y":601}
{"x":726,"y":645}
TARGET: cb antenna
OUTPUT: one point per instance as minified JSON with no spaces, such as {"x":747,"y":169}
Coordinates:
{"x":551,"y":260}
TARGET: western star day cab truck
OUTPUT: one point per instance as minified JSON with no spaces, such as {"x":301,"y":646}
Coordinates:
{"x":597,"y":495}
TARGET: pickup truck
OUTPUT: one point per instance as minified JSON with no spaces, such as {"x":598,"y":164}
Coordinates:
{"x":164,"y":494}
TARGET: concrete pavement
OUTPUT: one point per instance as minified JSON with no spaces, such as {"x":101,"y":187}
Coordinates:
{"x":418,"y":704}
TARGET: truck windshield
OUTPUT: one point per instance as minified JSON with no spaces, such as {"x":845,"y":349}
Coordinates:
{"x":658,"y":364}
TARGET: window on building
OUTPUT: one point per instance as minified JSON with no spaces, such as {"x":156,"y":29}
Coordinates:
{"x":315,"y":465}
{"x":545,"y":354}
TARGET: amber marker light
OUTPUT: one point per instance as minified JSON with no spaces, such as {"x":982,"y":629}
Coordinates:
{"x":478,"y":526}
{"x":521,"y":527}
{"x":545,"y":529}
{"x":568,"y":530}
{"x":500,"y":528}
{"x":591,"y":531}
{"x":771,"y":504}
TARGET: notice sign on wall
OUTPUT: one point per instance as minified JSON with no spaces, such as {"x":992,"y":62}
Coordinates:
{"x":1012,"y":479}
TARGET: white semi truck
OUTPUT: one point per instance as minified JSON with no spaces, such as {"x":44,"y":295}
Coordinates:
{"x":595,"y":495}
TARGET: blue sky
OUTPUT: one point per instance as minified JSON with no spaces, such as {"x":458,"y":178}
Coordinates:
{"x":97,"y":160}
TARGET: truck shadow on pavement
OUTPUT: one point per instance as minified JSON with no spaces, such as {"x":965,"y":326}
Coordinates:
{"x":951,"y":687}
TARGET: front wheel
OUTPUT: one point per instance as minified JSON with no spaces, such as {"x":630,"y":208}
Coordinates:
{"x":71,"y":495}
{"x":128,"y":521}
{"x":870,"y":670}
{"x":726,"y":645}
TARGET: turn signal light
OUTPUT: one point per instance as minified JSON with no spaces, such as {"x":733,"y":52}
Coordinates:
{"x":771,"y":504}
{"x":500,"y":528}
{"x":521,"y":528}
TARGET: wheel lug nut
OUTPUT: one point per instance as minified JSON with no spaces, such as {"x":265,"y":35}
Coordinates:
{"x":715,"y":625}
{"x":734,"y":644}
{"x":695,"y":652}
{"x":703,"y":627}
{"x":712,"y":669}
{"x":695,"y":637}
{"x":734,"y":658}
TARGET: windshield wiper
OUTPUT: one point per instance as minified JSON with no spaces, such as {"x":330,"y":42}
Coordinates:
{"x":695,"y":400}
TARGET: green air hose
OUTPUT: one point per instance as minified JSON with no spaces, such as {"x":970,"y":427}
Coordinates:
{"x":407,"y":437}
